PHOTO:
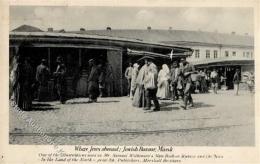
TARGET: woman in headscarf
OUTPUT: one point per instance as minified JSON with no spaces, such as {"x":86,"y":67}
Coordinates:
{"x":133,"y":81}
{"x":163,"y":91}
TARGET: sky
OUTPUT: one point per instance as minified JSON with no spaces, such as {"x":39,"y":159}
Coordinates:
{"x":223,"y":20}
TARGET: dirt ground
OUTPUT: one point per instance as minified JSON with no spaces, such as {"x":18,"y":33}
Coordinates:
{"x":221,"y":119}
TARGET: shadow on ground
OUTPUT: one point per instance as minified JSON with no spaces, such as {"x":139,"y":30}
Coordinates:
{"x":86,"y":102}
{"x":43,"y":107}
{"x":202,"y":105}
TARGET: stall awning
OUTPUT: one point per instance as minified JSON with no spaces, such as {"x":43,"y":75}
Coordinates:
{"x":132,"y":52}
{"x":223,"y":62}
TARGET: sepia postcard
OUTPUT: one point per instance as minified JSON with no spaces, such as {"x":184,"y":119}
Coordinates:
{"x":149,"y":81}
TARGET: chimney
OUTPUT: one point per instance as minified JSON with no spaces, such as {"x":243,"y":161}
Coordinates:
{"x":170,"y":28}
{"x":149,"y":28}
{"x":233,"y":33}
{"x":50,"y":29}
{"x":82,"y":29}
{"x":109,"y":28}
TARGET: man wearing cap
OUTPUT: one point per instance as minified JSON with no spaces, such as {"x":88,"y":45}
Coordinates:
{"x":42,"y":77}
{"x":150,"y":84}
{"x":186,"y":70}
{"x":93,"y":80}
{"x":175,"y":73}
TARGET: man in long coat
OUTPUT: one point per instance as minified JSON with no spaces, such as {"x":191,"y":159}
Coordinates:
{"x":175,"y":73}
{"x":93,"y":79}
{"x":42,"y":77}
{"x":150,"y":84}
{"x":60,"y":75}
{"x":186,"y":70}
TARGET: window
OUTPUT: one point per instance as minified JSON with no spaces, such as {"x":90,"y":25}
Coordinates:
{"x":251,"y":54}
{"x":197,"y":53}
{"x":234,"y":53}
{"x":226,"y":53}
{"x":247,"y":54}
{"x":215,"y":54}
{"x":244,"y":54}
{"x":207,"y":53}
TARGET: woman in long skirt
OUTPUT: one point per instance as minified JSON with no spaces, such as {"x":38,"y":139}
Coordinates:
{"x":163,"y":91}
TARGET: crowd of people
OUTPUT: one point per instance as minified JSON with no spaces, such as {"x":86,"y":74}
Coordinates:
{"x":148,"y":84}
{"x":24,"y":84}
{"x":145,"y":82}
{"x":180,"y":81}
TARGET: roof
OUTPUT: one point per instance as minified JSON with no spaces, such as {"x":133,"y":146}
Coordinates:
{"x":177,"y":36}
{"x":27,"y":28}
{"x":84,"y":40}
{"x":223,"y":62}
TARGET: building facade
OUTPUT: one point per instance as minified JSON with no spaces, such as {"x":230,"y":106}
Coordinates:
{"x":225,"y":52}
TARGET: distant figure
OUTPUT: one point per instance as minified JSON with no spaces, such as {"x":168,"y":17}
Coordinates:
{"x":109,"y":80}
{"x":251,"y":82}
{"x":163,"y":91}
{"x":203,"y":86}
{"x":133,"y":81}
{"x":150,"y":84}
{"x":236,"y":81}
{"x":82,"y":84}
{"x":128,"y":76}
{"x":42,"y":77}
{"x":174,"y":76}
{"x":93,"y":79}
{"x":186,"y":70}
{"x":60,"y":75}
{"x":207,"y":78}
{"x":214,"y":80}
{"x":101,"y":80}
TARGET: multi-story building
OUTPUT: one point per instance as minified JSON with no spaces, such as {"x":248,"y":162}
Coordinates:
{"x":225,"y":52}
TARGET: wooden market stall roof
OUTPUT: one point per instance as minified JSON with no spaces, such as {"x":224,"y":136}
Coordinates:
{"x":53,"y":39}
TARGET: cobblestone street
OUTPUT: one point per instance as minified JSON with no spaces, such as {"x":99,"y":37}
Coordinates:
{"x":216,"y":120}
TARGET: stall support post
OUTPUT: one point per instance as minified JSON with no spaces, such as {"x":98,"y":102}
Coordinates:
{"x":80,"y":57}
{"x":49,"y":58}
